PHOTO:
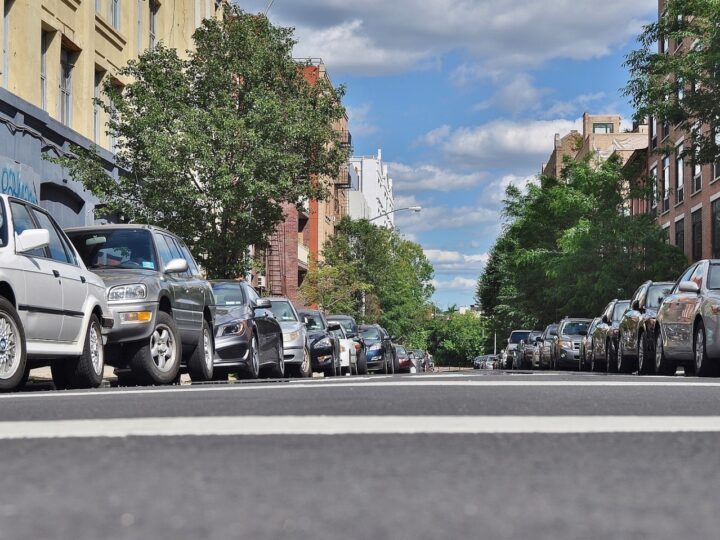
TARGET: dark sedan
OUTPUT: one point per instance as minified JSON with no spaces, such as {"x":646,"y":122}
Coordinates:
{"x":324,"y":346}
{"x":380,"y":351}
{"x":248,"y":338}
{"x":637,"y":329}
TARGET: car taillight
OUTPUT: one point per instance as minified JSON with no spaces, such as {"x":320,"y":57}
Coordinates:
{"x":358,"y":346}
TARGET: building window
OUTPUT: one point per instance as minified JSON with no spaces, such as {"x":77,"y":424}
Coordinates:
{"x":115,"y":14}
{"x":697,"y":177}
{"x":66,"y":69}
{"x":715,"y":229}
{"x":679,"y":176}
{"x":716,"y":165}
{"x":44,"y":44}
{"x":653,"y":132}
{"x":653,"y":194}
{"x":603,"y":128}
{"x":697,"y":235}
{"x":680,"y":89}
{"x":139,"y":25}
{"x":154,"y":8}
{"x":6,"y":43}
{"x":680,"y":234}
{"x":98,"y":6}
{"x":97,"y":114}
{"x":666,"y":184}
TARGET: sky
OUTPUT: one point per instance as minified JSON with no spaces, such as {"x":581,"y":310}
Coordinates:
{"x":465,"y":97}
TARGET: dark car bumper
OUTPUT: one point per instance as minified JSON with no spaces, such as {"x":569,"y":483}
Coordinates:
{"x":322,"y":358}
{"x":568,"y":358}
{"x":232,"y":350}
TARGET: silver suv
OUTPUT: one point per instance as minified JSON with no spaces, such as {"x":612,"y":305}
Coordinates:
{"x":52,"y":309}
{"x":161,"y":305}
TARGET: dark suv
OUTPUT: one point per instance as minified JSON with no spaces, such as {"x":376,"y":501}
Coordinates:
{"x":324,"y":346}
{"x":566,"y":345}
{"x":161,"y":306}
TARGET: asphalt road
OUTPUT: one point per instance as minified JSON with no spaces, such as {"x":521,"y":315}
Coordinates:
{"x":473,"y":455}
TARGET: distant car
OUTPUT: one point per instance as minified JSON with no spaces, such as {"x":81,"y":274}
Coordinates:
{"x":348,"y":352}
{"x":688,"y":323}
{"x":248,"y":338}
{"x":352,"y":330}
{"x":52,"y":308}
{"x":161,"y":304}
{"x":637,"y":329}
{"x":546,"y":344}
{"x":566,"y":347}
{"x":405,"y":363}
{"x":605,"y":337}
{"x":586,"y":346}
{"x":526,"y":350}
{"x":485,"y":361}
{"x":516,"y":336}
{"x":324,"y":346}
{"x":420,"y":358}
{"x":296,"y":349}
{"x":380,"y":351}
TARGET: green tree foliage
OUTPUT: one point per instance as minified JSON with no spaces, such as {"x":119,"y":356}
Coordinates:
{"x":213,"y":145}
{"x":681,"y":88}
{"x":569,"y":247}
{"x":455,"y":339}
{"x":391,"y":277}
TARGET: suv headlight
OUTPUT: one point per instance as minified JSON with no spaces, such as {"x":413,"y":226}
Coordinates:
{"x":127,"y":293}
{"x":565,"y":344}
{"x":234,"y":329}
{"x":291,"y":336}
{"x":323,"y":343}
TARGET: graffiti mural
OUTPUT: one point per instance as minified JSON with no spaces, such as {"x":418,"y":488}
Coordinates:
{"x":19,"y":181}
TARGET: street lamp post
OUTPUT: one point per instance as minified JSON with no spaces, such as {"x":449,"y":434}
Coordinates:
{"x":414,"y":209}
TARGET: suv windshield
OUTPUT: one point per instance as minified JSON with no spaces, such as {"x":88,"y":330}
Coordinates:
{"x":517,"y":337}
{"x":573,"y":328}
{"x":620,"y":308}
{"x":115,"y":248}
{"x":228,"y":294}
{"x":370,"y":333}
{"x":655,"y":294}
{"x":283,"y":311}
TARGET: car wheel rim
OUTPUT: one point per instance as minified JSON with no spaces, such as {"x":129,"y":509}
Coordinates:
{"x":699,"y":349}
{"x":255,"y":358}
{"x":281,"y":355}
{"x":10,"y":350}
{"x":96,"y":349}
{"x":207,"y":349}
{"x":658,"y":352}
{"x":641,"y":354}
{"x":306,"y":361}
{"x":162,"y":348}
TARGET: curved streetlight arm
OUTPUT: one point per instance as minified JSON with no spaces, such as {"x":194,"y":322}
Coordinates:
{"x":411,"y":208}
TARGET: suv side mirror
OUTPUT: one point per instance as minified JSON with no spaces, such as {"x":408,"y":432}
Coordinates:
{"x":31,"y":239}
{"x":176,"y":266}
{"x":636,"y":305}
{"x":263,"y":303}
{"x":689,"y":287}
{"x":605,"y":319}
{"x":538,"y":339}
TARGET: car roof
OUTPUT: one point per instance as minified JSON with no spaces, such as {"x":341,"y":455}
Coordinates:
{"x":576,"y":319}
{"x":119,"y":227}
{"x":278,"y":299}
{"x":308,"y":310}
{"x":346,"y":317}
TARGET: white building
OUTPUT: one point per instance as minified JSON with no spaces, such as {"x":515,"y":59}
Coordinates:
{"x":376,"y":188}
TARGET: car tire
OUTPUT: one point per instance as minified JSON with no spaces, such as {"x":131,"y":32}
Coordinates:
{"x":12,"y":336}
{"x":610,"y":358}
{"x":386,"y":365}
{"x":623,"y":363}
{"x":86,"y":370}
{"x":362,"y":366}
{"x":148,"y":368}
{"x":252,"y":371}
{"x":704,"y":365}
{"x":645,"y":364}
{"x":200,"y":362}
{"x":663,"y":365}
{"x":279,"y":370}
{"x":303,"y":369}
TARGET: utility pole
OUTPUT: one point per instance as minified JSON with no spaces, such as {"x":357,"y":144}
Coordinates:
{"x":495,"y":345}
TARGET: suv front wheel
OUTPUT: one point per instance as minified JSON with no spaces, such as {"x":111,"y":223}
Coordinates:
{"x":157,"y":361}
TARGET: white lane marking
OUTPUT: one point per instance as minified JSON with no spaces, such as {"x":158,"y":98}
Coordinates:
{"x":354,"y":425}
{"x":406,"y":382}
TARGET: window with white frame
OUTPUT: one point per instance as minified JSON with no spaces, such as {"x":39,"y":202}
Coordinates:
{"x":666,"y":183}
{"x":716,"y":165}
{"x":153,"y":22}
{"x":697,"y":173}
{"x":66,"y":69}
{"x":97,"y":111}
{"x":653,"y":194}
{"x":679,"y":175}
{"x":653,"y":131}
{"x":7,"y":8}
{"x":44,"y":44}
{"x":115,"y":14}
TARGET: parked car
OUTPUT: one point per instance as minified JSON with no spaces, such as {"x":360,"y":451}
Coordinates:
{"x":53,"y":310}
{"x":298,"y":361}
{"x":348,"y":352}
{"x":248,"y":338}
{"x":352,"y":330}
{"x":526,"y":350}
{"x":586,"y":346}
{"x":485,"y":361}
{"x":380,"y":351}
{"x":637,"y":329}
{"x":546,"y":344}
{"x":688,"y":323}
{"x":161,"y":305}
{"x":324,"y":346}
{"x":405,"y":363}
{"x":605,"y":337}
{"x":566,"y":346}
{"x":516,"y":336}
{"x":420,"y":358}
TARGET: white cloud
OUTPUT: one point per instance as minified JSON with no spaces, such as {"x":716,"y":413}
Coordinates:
{"x":381,"y":36}
{"x":407,"y":178}
{"x":453,"y":261}
{"x":436,"y":136}
{"x":495,"y":191}
{"x":561,"y":109}
{"x":456,"y":283}
{"x":518,"y":95}
{"x":438,"y":218}
{"x":358,"y":118}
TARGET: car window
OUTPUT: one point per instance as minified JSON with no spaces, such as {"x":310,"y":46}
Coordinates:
{"x":339,"y":333}
{"x":684,"y":277}
{"x":194,"y":270}
{"x":639,"y":295}
{"x":698,"y":275}
{"x":164,"y":249}
{"x":56,"y":247}
{"x":313,"y":321}
{"x":283,"y":311}
{"x":401,"y":350}
{"x":115,"y":248}
{"x":517,"y":337}
{"x":252,"y":295}
{"x":347,"y":324}
{"x":619,"y":309}
{"x":228,"y":294}
{"x":371,"y":333}
{"x":176,"y":253}
{"x":655,"y":294}
{"x":3,"y":226}
{"x":573,"y":328}
{"x":23,"y":221}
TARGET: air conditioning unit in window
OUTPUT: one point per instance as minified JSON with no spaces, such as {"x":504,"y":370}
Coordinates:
{"x":261,"y":281}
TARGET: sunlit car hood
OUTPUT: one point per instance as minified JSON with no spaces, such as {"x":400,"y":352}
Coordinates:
{"x":125,"y":276}
{"x":290,"y":326}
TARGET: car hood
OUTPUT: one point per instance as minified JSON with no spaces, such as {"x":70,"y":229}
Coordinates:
{"x":512,"y":346}
{"x":290,"y":326}
{"x":224,"y":314}
{"x":571,"y":337}
{"x":122,"y":276}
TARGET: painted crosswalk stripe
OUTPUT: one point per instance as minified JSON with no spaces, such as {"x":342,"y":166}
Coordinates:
{"x":353,"y":425}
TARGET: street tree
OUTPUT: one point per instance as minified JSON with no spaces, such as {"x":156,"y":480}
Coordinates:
{"x":211,"y":146}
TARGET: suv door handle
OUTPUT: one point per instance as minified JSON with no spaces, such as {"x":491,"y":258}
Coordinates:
{"x":56,"y":273}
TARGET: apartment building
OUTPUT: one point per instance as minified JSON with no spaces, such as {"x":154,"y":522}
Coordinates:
{"x":687,"y":194}
{"x":56,"y":54}
{"x":376,"y":186}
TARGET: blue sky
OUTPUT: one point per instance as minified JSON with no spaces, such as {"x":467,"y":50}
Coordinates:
{"x":464,"y":97}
